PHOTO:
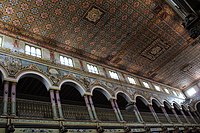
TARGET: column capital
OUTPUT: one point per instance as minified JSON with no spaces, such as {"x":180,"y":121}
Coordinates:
{"x":87,"y":94}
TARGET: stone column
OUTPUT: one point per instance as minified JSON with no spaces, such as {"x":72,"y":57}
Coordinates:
{"x":192,"y":116}
{"x":137,"y":113}
{"x":184,"y":116}
{"x":59,"y":105}
{"x":5,"y":98}
{"x":13,"y":99}
{"x":88,"y":107}
{"x":154,"y":113}
{"x":196,"y":114}
{"x":166,"y":115}
{"x":53,"y":104}
{"x":115,"y":110}
{"x":93,"y":109}
{"x":118,"y":110}
{"x":174,"y":112}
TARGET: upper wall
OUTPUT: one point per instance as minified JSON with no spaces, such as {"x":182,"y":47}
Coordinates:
{"x":51,"y":60}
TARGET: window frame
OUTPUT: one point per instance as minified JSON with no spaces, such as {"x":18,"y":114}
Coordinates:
{"x":72,"y":64}
{"x":36,"y":48}
{"x":89,"y":64}
{"x":110,"y":71}
{"x":157,"y":87}
{"x":144,"y":82}
{"x":133,"y":79}
{"x":1,"y":44}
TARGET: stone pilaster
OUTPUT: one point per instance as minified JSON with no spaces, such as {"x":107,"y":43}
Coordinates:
{"x":115,"y":110}
{"x":192,"y":117}
{"x":118,"y":110}
{"x":137,"y":113}
{"x":88,"y":107}
{"x":184,"y":116}
{"x":53,"y":104}
{"x":174,"y":112}
{"x":154,"y":113}
{"x":5,"y":98}
{"x":59,"y":105}
{"x":93,"y":109}
{"x":166,"y":115}
{"x":13,"y":99}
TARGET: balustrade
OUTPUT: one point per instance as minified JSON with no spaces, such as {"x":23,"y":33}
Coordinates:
{"x":75,"y":112}
{"x":173,"y":118}
{"x":129,"y":116}
{"x":105,"y":114}
{"x":148,"y":117}
{"x":162,"y":118}
{"x":34,"y":109}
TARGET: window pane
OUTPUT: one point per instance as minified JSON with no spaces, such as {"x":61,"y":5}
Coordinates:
{"x":33,"y":51}
{"x":1,"y":39}
{"x":92,"y":69}
{"x":70,"y":62}
{"x":146,"y":85}
{"x":27,"y":49}
{"x":131,"y":80}
{"x":113,"y":75}
{"x":191,"y":91}
{"x":38,"y":52}
{"x":166,"y":90}
{"x":157,"y":88}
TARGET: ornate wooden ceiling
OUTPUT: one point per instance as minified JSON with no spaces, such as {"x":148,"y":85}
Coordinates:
{"x":144,"y":37}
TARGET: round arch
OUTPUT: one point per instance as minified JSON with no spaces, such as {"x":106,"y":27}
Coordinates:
{"x":168,"y":104}
{"x":177,"y":105}
{"x":37,"y":75}
{"x":73,"y":83}
{"x":195,"y":105}
{"x":103,"y":91}
{"x":157,"y":102}
{"x":146,"y":102}
{"x":124,"y":95}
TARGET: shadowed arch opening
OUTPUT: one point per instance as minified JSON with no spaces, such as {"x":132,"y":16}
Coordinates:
{"x":168,"y":109}
{"x":35,"y":75}
{"x":73,"y":104}
{"x":186,"y":112}
{"x":144,"y":110}
{"x":178,"y":112}
{"x":122,"y":101}
{"x":102,"y":105}
{"x":193,"y":113}
{"x":157,"y":107}
{"x":33,"y":99}
{"x":198,"y":106}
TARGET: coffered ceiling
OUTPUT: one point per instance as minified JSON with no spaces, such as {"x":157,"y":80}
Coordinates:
{"x":145,"y":37}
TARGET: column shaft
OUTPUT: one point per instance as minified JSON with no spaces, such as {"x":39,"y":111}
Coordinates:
{"x":53,"y":104}
{"x":192,"y":117}
{"x":88,"y":107}
{"x":115,"y":110}
{"x":5,"y":98}
{"x":137,"y":113}
{"x":118,"y":110}
{"x":59,"y":105}
{"x":166,"y":115}
{"x":93,"y":109}
{"x":185,"y":116}
{"x":178,"y":119}
{"x":154,"y":113}
{"x":196,"y":114}
{"x":13,"y":99}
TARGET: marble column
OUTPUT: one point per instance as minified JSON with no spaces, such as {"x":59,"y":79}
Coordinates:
{"x":192,"y":116}
{"x":174,"y":112}
{"x":118,"y":110}
{"x":5,"y":98}
{"x":13,"y":99}
{"x":196,"y":114}
{"x":59,"y":105}
{"x":93,"y":109}
{"x":154,"y":113}
{"x":137,"y":113}
{"x":53,"y":104}
{"x":166,"y":115}
{"x":88,"y":107}
{"x":115,"y":110}
{"x":184,"y":116}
